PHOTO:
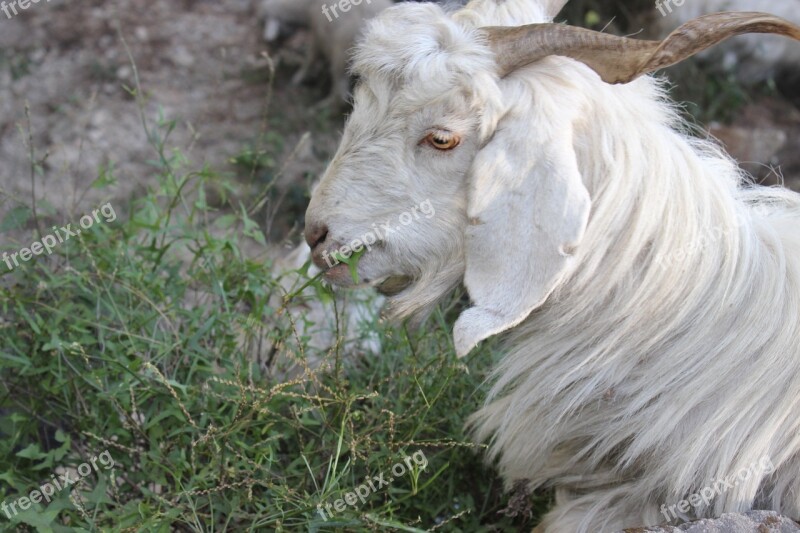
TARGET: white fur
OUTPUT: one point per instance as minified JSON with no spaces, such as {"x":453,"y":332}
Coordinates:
{"x":645,"y":359}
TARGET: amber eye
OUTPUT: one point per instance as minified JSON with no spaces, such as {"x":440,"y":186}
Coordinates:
{"x":442,"y":140}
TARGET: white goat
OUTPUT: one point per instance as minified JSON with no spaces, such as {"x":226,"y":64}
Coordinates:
{"x":333,"y":34}
{"x":753,"y":58}
{"x":652,"y":299}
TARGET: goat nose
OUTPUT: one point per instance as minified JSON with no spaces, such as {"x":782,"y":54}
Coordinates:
{"x":316,"y":235}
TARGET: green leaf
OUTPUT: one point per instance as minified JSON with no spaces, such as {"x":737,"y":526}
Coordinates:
{"x":351,"y":262}
{"x":226,"y":221}
{"x":324,"y":292}
{"x":31,"y":452}
{"x":106,"y":177}
{"x":303,"y":270}
{"x":42,"y":520}
{"x":15,"y":219}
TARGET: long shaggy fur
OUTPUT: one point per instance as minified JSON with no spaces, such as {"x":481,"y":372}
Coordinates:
{"x":669,"y":356}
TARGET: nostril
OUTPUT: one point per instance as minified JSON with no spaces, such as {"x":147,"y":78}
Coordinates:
{"x":316,"y":234}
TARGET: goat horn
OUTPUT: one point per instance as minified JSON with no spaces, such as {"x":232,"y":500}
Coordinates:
{"x":621,"y":59}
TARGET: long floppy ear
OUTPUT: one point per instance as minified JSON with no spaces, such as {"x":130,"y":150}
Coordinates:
{"x":528,"y":210}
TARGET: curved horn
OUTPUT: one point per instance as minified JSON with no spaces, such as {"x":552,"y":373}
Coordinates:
{"x":621,"y":59}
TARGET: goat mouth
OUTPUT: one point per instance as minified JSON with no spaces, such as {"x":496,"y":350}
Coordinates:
{"x":338,"y":274}
{"x":394,"y":285}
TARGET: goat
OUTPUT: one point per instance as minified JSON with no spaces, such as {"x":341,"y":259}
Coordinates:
{"x":333,"y":34}
{"x":649,"y":300}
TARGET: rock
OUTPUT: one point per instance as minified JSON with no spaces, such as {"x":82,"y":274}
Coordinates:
{"x":752,"y":522}
{"x":763,"y":139}
{"x":182,"y":57}
{"x":754,"y":148}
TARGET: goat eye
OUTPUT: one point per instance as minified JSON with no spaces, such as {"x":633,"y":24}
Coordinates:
{"x":442,"y":140}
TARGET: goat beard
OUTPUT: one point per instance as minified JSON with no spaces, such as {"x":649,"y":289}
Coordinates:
{"x":416,"y":297}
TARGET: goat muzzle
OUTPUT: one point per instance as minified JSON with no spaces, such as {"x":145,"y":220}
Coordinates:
{"x":622,"y":59}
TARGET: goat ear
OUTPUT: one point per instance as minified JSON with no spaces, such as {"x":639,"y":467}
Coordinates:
{"x":528,"y":210}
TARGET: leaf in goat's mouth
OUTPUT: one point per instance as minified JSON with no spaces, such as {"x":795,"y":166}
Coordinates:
{"x":351,"y":262}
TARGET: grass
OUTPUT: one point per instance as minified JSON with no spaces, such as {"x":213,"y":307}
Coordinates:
{"x":146,"y":337}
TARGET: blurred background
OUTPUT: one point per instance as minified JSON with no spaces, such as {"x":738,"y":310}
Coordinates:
{"x":189,"y":337}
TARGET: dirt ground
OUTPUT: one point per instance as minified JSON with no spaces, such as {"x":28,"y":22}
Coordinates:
{"x":203,"y":64}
